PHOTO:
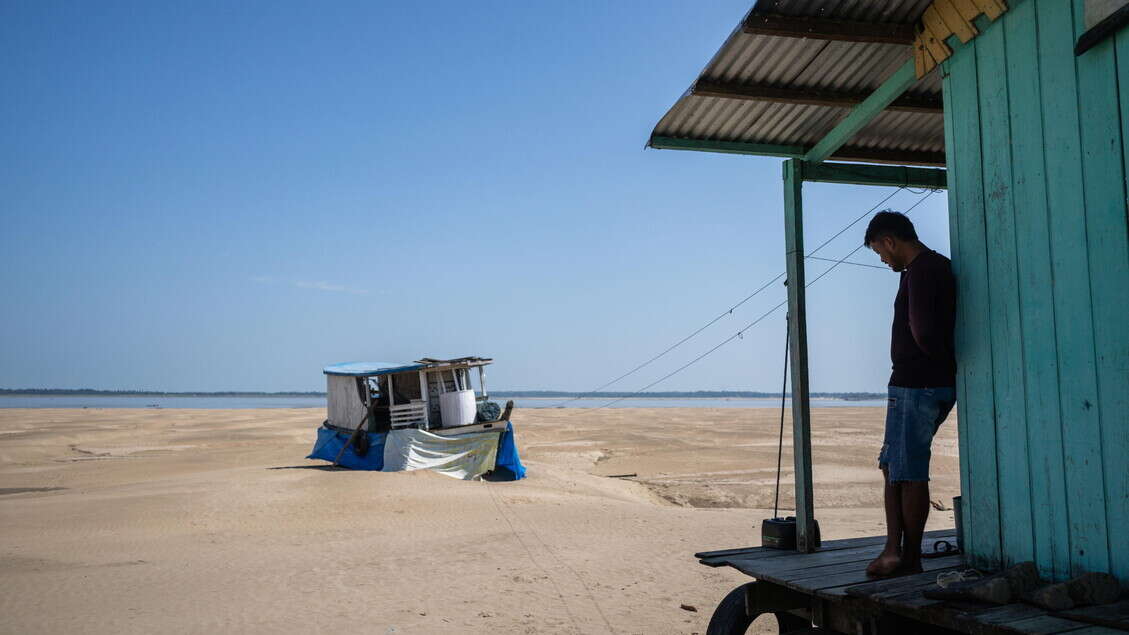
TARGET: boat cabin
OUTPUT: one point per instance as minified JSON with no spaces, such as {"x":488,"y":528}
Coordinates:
{"x":428,"y":394}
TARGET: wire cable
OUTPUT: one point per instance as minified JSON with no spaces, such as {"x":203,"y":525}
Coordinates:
{"x":731,"y":309}
{"x":754,"y":322}
{"x":848,"y":262}
{"x":783,"y":393}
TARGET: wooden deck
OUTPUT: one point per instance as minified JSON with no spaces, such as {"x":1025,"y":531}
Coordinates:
{"x":841,"y":597}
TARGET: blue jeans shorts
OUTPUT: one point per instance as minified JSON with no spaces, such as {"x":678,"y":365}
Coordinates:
{"x":913,"y":416}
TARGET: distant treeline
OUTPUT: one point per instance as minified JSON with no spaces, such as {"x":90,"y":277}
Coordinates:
{"x":697,"y":394}
{"x":86,"y":392}
{"x":531,"y":394}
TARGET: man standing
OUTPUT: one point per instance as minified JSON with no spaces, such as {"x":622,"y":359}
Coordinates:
{"x":921,"y":391}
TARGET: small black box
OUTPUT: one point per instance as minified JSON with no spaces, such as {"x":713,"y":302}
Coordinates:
{"x":780,"y":533}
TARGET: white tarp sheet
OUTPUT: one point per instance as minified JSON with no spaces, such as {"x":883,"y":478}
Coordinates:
{"x":465,"y":457}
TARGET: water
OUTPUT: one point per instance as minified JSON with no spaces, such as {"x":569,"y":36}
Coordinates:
{"x":91,"y":401}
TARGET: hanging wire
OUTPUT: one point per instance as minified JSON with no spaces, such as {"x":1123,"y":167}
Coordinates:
{"x":783,"y":392}
{"x":754,"y":322}
{"x":730,"y":310}
{"x":848,"y":262}
{"x":673,"y":346}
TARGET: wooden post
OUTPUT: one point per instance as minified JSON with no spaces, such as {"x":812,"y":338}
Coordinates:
{"x":797,"y":324}
{"x":425,"y":399}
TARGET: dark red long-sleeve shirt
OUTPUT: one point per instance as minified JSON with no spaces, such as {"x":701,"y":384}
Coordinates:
{"x":921,"y":342}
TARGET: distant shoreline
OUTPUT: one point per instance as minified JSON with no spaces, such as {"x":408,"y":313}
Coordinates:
{"x":84,"y":392}
{"x":697,"y":394}
{"x":521,"y":394}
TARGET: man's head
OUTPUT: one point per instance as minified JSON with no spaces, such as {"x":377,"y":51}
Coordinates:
{"x":891,"y":235}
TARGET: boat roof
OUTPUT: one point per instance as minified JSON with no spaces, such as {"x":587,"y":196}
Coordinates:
{"x":370,"y":369}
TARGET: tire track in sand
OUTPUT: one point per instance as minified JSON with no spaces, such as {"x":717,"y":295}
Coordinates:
{"x":499,"y":503}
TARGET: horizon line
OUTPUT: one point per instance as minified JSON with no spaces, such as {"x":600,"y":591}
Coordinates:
{"x":529,"y":393}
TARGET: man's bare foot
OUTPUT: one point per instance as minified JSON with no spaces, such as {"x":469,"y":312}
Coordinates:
{"x":884,"y":565}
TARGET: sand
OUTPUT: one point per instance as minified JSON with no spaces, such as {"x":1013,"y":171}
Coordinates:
{"x":193,"y":521}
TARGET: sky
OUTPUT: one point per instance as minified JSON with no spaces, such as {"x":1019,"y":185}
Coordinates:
{"x":230,"y":196}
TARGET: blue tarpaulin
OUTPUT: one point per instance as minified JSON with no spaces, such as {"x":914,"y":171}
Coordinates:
{"x":507,"y":466}
{"x":330,"y":442}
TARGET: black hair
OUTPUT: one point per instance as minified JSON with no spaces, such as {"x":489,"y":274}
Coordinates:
{"x":889,"y":223}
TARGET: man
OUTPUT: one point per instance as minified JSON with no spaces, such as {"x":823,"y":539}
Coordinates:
{"x":921,"y":390}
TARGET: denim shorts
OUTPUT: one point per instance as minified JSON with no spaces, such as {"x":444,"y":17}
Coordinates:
{"x":912,"y":418}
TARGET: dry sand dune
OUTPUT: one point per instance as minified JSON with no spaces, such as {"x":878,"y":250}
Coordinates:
{"x":139,"y":521}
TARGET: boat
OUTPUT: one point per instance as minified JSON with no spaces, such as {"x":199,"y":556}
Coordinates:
{"x":424,"y":414}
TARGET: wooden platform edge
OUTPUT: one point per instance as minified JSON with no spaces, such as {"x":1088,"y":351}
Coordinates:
{"x":844,"y":543}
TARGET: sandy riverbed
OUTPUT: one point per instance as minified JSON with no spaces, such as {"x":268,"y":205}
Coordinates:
{"x":140,"y":521}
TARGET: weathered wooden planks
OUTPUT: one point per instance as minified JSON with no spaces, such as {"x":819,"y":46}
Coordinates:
{"x":1106,"y":244}
{"x":954,"y":21}
{"x":1114,"y":423}
{"x":834,"y":585}
{"x":1114,"y":615}
{"x":973,"y":329}
{"x":942,"y":19}
{"x":831,"y":545}
{"x":955,"y":256}
{"x":837,"y":576}
{"x":1070,"y":267}
{"x":1036,"y":298}
{"x":1038,"y":142}
{"x":1003,"y":298}
{"x":807,"y":565}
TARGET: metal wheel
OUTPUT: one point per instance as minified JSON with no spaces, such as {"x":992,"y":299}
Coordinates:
{"x":731,"y":617}
{"x":789,"y":623}
{"x":736,"y":612}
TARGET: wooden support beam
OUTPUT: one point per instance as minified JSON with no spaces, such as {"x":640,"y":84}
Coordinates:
{"x":814,"y":97}
{"x":882,"y":175}
{"x":827,"y":29}
{"x":896,"y":157}
{"x":864,"y":113}
{"x":847,"y":153}
{"x":798,"y":350}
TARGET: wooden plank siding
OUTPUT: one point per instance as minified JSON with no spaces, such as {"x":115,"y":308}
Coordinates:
{"x":1106,"y":244}
{"x":1050,"y":534}
{"x":1071,"y":282}
{"x":1113,"y":362}
{"x":1003,"y":298}
{"x":1037,"y":144}
{"x":973,"y":344}
{"x":963,"y":434}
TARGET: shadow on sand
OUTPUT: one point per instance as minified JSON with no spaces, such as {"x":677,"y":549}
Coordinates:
{"x":326,"y":468}
{"x":4,"y":491}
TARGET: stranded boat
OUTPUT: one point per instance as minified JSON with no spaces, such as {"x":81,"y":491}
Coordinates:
{"x":419,"y":415}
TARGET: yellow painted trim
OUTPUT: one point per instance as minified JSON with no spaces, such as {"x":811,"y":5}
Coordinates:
{"x":942,"y":19}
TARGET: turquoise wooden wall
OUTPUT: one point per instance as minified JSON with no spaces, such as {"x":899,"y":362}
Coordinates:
{"x":1037,"y":141}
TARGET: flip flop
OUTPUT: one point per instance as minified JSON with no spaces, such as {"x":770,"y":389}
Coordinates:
{"x":941,"y":548}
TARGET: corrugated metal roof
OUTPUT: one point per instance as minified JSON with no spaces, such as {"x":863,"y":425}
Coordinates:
{"x":880,"y":11}
{"x":809,"y":64}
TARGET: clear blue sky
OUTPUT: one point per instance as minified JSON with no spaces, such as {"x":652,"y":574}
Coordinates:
{"x":230,"y":195}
